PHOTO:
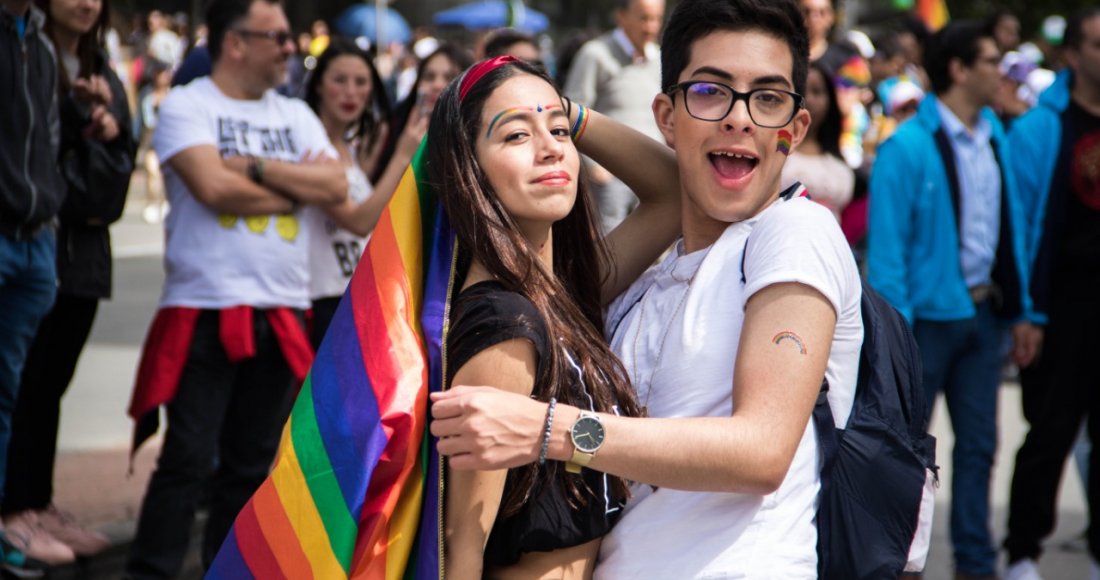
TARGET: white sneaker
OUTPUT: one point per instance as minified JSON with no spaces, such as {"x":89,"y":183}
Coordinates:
{"x":1026,"y":569}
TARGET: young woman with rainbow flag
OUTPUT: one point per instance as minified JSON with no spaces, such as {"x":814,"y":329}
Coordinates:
{"x":485,"y":268}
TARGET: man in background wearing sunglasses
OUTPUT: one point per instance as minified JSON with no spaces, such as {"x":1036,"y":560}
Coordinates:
{"x":946,"y":248}
{"x":227,"y":348}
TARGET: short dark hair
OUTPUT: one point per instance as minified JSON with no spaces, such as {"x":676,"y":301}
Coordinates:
{"x":221,"y":17}
{"x":886,"y":45}
{"x":694,"y":19}
{"x":1075,"y":27}
{"x":503,"y":39}
{"x":958,"y":40}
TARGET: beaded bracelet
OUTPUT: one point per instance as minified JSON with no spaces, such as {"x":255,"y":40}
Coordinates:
{"x":580,"y":124}
{"x":545,"y":448}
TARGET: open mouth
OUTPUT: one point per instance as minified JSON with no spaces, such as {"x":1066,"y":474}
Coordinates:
{"x":732,"y":166}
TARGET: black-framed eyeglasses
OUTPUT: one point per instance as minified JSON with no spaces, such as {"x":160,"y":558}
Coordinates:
{"x":712,"y":101}
{"x":280,"y":37}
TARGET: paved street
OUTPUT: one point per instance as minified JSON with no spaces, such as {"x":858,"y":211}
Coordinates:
{"x":92,"y":475}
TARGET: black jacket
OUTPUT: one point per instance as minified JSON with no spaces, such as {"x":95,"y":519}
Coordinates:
{"x":30,"y":187}
{"x":97,"y":177}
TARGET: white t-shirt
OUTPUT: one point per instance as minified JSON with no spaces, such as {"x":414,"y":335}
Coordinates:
{"x":698,"y":301}
{"x":216,"y":260}
{"x":333,"y":251}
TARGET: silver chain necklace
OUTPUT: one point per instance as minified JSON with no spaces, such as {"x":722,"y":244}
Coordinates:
{"x":664,"y":335}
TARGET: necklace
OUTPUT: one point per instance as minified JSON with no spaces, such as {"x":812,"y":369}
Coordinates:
{"x":664,"y":335}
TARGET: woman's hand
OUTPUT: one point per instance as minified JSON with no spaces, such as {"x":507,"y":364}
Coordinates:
{"x":415,"y":129}
{"x":485,"y":428}
{"x":102,"y":126}
{"x":93,"y":90}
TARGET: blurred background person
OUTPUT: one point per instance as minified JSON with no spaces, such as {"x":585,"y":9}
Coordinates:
{"x":509,"y":41}
{"x":1005,"y":28}
{"x":817,"y":161}
{"x":164,"y":43}
{"x":347,"y":94}
{"x":96,"y":160}
{"x":149,"y":100}
{"x":31,"y":193}
{"x":618,"y":73}
{"x":434,"y":74}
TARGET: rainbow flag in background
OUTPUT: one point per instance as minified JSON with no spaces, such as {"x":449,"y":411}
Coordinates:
{"x":356,"y":487}
{"x":933,"y":13}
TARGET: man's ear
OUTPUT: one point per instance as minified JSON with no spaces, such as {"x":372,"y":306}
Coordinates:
{"x":956,"y":71}
{"x":663,"y":109}
{"x":800,"y":127}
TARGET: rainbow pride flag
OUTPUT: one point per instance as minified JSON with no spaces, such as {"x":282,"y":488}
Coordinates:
{"x":356,"y":487}
{"x":933,"y":13}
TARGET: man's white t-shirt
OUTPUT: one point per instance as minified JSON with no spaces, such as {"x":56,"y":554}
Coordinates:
{"x":217,"y":260}
{"x":682,"y":366}
{"x":333,"y":251}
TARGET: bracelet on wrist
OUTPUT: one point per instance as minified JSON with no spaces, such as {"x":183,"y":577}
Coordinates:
{"x":544,"y":448}
{"x":580,"y":124}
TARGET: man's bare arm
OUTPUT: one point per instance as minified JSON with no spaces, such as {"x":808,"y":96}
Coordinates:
{"x":220,"y":188}
{"x":776,"y":382}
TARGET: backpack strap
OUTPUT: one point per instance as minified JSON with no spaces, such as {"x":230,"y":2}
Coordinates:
{"x":828,"y":442}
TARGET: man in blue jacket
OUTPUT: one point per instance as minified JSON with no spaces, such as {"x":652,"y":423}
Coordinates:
{"x":947,"y":249}
{"x":1060,"y":189}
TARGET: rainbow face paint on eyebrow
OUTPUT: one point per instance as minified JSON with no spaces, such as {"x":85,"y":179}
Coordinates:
{"x":783,"y":145}
{"x":514,"y":110}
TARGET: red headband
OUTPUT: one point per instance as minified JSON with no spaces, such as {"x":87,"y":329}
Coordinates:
{"x":481,"y":69}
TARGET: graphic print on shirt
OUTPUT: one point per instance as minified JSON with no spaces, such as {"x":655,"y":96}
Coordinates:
{"x":1085,"y":169}
{"x":237,"y":136}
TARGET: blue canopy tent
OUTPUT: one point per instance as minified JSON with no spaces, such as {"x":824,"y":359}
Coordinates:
{"x":362,"y":20}
{"x":487,"y":14}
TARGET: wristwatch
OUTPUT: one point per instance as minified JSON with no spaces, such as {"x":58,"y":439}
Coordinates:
{"x":587,"y":434}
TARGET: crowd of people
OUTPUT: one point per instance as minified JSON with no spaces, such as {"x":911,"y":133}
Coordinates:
{"x":602,"y":199}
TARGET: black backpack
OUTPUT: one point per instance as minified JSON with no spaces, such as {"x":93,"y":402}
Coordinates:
{"x":876,"y":471}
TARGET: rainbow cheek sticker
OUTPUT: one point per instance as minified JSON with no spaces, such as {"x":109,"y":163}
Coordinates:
{"x":784,"y":144}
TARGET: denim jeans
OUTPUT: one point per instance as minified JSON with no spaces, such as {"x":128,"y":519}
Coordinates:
{"x":962,"y":359}
{"x":28,"y":285}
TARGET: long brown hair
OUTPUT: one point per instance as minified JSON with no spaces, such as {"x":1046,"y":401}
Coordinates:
{"x":568,"y":297}
{"x":88,"y":48}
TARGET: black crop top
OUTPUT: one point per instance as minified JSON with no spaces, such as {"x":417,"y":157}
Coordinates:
{"x":483,"y":315}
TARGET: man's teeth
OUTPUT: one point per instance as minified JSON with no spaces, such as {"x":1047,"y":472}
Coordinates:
{"x":734,"y":155}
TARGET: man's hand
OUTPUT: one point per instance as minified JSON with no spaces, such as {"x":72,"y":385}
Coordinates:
{"x":485,"y":428}
{"x":1027,"y":343}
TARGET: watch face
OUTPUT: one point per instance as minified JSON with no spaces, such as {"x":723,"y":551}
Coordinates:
{"x":588,"y":434}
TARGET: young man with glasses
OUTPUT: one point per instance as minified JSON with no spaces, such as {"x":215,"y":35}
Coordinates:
{"x":947,"y":249}
{"x":726,"y":341}
{"x":228,"y":346}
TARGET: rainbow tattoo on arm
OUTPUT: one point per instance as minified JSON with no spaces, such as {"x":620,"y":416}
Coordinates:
{"x":788,"y":335}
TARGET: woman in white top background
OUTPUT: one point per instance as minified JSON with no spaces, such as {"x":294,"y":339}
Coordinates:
{"x":347,"y":94}
{"x":817,"y":161}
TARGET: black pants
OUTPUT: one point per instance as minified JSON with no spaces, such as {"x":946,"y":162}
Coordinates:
{"x":1058,"y":393}
{"x":234,"y":411}
{"x":324,"y":309}
{"x":46,"y":376}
